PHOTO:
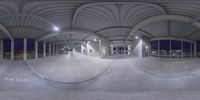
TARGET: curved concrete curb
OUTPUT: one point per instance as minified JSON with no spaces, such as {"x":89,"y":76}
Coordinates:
{"x":78,"y":82}
{"x":184,"y":74}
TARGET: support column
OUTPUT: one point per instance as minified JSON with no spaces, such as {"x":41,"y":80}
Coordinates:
{"x":104,"y":46}
{"x":36,"y":49}
{"x":150,"y":49}
{"x":170,"y":48}
{"x":181,"y":49}
{"x":195,"y":49}
{"x":53,"y":49}
{"x":191,"y":49}
{"x":158,"y":48}
{"x":140,"y":48}
{"x":56,"y":50}
{"x":44,"y":49}
{"x":1,"y":49}
{"x":25,"y":48}
{"x":12,"y":49}
{"x":49,"y":49}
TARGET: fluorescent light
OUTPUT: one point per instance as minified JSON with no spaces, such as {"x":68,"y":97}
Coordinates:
{"x":94,"y":39}
{"x":56,"y":28}
{"x":136,"y":37}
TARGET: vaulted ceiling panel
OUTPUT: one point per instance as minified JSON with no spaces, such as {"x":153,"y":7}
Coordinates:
{"x":157,"y":29}
{"x":113,"y":19}
{"x":98,"y":16}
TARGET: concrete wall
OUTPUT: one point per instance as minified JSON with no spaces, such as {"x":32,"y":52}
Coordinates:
{"x":145,"y":47}
{"x":140,"y":47}
{"x":135,"y":47}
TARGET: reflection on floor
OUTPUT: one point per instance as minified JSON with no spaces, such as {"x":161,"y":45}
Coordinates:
{"x":125,"y":79}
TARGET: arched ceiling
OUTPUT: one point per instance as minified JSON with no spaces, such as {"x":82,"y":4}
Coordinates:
{"x":111,"y":19}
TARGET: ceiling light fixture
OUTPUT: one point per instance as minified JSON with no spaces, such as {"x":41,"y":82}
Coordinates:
{"x":136,"y":37}
{"x":56,"y":28}
{"x":94,"y":39}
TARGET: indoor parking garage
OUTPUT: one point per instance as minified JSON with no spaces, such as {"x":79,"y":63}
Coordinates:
{"x":99,"y":49}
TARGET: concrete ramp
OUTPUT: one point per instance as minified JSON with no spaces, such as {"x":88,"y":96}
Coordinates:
{"x":69,"y":68}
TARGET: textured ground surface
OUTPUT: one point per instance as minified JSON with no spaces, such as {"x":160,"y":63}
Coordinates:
{"x":124,"y":80}
{"x":165,"y":67}
{"x":70,"y":68}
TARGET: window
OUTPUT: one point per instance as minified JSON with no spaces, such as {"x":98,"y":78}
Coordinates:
{"x":176,"y":48}
{"x":30,"y":49}
{"x":186,"y":49}
{"x":7,"y":48}
{"x":19,"y":48}
{"x":164,"y":48}
{"x":154,"y":48}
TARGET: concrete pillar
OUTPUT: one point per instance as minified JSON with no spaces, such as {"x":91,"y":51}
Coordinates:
{"x":148,"y":48}
{"x":140,"y":49}
{"x":170,"y":48}
{"x":25,"y":48}
{"x":195,"y":49}
{"x":49,"y":49}
{"x":53,"y":49}
{"x":1,"y":49}
{"x":158,"y":48}
{"x":36,"y":49}
{"x":44,"y":49}
{"x":191,"y":49}
{"x":104,"y":46}
{"x":181,"y":49}
{"x":12,"y":49}
{"x":56,"y":49}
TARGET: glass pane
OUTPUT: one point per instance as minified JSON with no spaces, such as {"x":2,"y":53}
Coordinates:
{"x":154,"y":48}
{"x":7,"y":48}
{"x":40,"y":49}
{"x":47,"y":49}
{"x":176,"y":48}
{"x":186,"y":49}
{"x":19,"y":48}
{"x":198,"y":48}
{"x":164,"y":48}
{"x":30,"y":49}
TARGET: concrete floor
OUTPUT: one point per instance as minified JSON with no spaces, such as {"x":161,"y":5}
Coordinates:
{"x":123,"y":80}
{"x":70,"y":68}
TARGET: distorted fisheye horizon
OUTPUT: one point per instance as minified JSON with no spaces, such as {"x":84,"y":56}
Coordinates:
{"x":99,"y":49}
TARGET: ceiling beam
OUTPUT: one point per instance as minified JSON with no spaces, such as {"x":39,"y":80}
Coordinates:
{"x":169,"y":28}
{"x":67,"y":42}
{"x":160,"y":18}
{"x":68,"y":31}
{"x":85,"y":37}
{"x":113,"y":27}
{"x":30,"y":27}
{"x":6,"y":32}
{"x":192,"y":33}
{"x":147,"y":33}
